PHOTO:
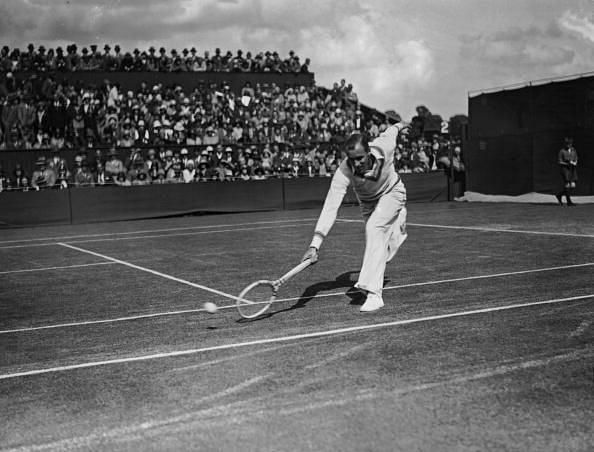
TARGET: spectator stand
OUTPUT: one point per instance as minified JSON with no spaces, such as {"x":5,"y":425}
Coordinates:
{"x":95,"y":131}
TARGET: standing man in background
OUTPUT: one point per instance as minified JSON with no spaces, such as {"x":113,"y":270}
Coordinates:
{"x":567,"y":160}
{"x":369,"y":168}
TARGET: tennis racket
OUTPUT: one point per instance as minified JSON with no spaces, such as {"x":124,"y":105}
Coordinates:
{"x":256,"y":298}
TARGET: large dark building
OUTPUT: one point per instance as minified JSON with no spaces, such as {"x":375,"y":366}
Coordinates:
{"x":515,"y":134}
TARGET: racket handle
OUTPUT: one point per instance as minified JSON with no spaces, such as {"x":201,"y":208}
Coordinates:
{"x":294,"y":271}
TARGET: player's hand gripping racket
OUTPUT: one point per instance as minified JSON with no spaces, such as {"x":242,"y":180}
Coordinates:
{"x":256,"y":298}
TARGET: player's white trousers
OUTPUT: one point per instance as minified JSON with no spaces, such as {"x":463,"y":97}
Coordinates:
{"x":385,"y":230}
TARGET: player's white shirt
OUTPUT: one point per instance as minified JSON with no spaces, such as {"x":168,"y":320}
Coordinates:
{"x":367,"y":190}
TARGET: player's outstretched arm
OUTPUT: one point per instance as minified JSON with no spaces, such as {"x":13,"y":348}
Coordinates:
{"x":336,"y":193}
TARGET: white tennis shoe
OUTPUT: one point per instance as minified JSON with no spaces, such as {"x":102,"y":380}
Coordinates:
{"x":372,"y":303}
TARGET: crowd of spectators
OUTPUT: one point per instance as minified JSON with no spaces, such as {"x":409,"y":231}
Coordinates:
{"x":165,"y":134}
{"x":93,"y":59}
{"x":40,"y":112}
{"x":142,"y":167}
{"x":211,"y":163}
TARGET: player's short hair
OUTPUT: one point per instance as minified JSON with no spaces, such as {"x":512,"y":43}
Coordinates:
{"x":354,"y":139}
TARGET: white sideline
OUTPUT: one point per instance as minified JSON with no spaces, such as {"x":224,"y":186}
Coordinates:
{"x":150,"y":231}
{"x":479,"y":228}
{"x":54,"y":268}
{"x":514,"y":231}
{"x":154,"y":272}
{"x":98,"y":322}
{"x":444,"y":281}
{"x":288,"y":338}
{"x":280,"y":300}
{"x":340,"y":220}
{"x":179,"y":234}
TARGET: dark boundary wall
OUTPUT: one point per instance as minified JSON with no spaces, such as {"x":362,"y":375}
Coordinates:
{"x":120,"y":203}
{"x":90,"y":205}
{"x":515,"y":136}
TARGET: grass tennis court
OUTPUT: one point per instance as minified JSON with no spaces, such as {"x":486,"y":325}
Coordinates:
{"x":485,"y":342}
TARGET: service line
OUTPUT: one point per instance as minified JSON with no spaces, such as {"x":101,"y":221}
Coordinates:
{"x":154,"y":272}
{"x":64,"y":267}
{"x":281,"y":300}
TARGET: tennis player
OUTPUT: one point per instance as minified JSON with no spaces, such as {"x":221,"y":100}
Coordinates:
{"x":369,"y":169}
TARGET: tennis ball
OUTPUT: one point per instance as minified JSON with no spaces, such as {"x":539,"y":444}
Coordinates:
{"x":210,"y":307}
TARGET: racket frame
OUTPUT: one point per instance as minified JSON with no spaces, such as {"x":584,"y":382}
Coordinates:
{"x":275,"y":285}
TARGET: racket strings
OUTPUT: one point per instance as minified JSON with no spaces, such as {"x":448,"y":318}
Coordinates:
{"x":256,"y":299}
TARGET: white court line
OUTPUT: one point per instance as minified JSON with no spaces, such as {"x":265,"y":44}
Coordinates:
{"x":179,"y":234}
{"x":494,"y":275}
{"x":98,"y":322}
{"x":150,"y":231}
{"x":430,"y":283}
{"x":218,"y":231}
{"x":470,"y":228}
{"x":280,"y":300}
{"x":54,"y":268}
{"x":514,"y":231}
{"x":479,"y":228}
{"x":295,"y":337}
{"x":154,"y":272}
{"x":341,"y":220}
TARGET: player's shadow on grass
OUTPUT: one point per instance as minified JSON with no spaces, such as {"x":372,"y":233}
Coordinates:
{"x":342,"y":281}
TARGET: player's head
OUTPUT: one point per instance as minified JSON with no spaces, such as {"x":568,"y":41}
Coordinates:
{"x":568,"y":141}
{"x":356,"y":148}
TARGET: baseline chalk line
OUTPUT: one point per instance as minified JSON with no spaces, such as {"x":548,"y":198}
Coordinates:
{"x":295,"y":337}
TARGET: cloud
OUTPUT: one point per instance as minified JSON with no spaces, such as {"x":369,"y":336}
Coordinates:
{"x":516,"y":47}
{"x":395,"y":56}
{"x":383,"y":58}
{"x":385,"y":69}
{"x":582,"y":26}
{"x":343,"y":39}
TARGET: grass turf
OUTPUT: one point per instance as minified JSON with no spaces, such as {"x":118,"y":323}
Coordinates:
{"x":515,"y":380}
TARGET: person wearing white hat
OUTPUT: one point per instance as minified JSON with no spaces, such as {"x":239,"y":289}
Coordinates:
{"x":189,"y":172}
{"x":184,"y":156}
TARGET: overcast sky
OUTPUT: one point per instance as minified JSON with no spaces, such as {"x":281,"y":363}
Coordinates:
{"x":397,"y":54}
